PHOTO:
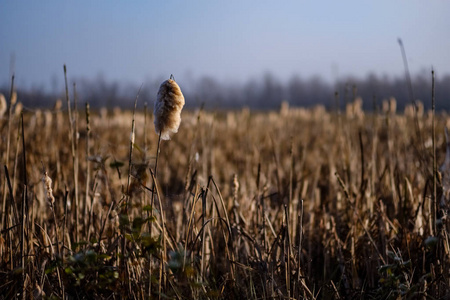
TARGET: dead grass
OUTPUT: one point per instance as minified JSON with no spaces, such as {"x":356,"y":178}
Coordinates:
{"x":297,"y":204}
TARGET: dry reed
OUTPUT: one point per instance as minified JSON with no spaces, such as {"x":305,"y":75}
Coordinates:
{"x":239,"y":212}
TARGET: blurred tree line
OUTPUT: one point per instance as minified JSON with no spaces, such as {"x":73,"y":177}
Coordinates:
{"x":265,"y":92}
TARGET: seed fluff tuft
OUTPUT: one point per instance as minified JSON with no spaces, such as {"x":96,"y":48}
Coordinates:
{"x":168,"y":106}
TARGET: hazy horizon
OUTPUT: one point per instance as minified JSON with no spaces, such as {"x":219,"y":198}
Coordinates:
{"x":231,"y":42}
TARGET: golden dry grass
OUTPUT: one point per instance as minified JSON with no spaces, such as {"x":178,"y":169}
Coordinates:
{"x":301,"y":204}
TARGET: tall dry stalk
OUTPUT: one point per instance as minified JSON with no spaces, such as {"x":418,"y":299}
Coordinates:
{"x":87,"y":202}
{"x":412,"y":99}
{"x":8,"y":253}
{"x":12,"y":100}
{"x":329,"y":246}
{"x":72,"y":138}
{"x":24,"y":218}
{"x":124,"y":264}
{"x":433,"y":137}
{"x":51,"y":200}
{"x":167,"y":111}
{"x":76,"y":165}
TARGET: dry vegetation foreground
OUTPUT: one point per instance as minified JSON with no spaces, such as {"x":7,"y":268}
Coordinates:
{"x":297,"y":203}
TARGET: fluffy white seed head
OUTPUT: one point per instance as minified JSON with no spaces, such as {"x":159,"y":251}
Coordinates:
{"x":168,"y":106}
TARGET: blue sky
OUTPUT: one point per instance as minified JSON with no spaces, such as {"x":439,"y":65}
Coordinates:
{"x":134,"y":41}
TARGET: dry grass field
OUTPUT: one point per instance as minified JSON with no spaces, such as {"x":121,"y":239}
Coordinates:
{"x":289,"y":204}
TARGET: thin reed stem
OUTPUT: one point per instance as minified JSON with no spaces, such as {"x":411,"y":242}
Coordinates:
{"x":24,"y":211}
{"x":407,"y":74}
{"x":128,"y":193}
{"x":74,"y":161}
{"x":162,"y":278}
{"x":75,"y":135}
{"x":300,"y":240}
{"x":433,"y":126}
{"x":87,"y":203}
{"x":288,"y":252}
{"x":411,"y":95}
{"x":8,"y":142}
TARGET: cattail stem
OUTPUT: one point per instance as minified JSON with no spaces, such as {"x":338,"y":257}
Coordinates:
{"x":154,"y":183}
{"x":168,"y":106}
{"x":157,"y":154}
{"x":163,"y":236}
{"x":153,"y":201}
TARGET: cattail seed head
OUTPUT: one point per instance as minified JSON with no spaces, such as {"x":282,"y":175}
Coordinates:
{"x":392,"y":105}
{"x":284,"y":109}
{"x":38,"y":119}
{"x":13,"y":98}
{"x":48,"y":187}
{"x":48,"y":118}
{"x":58,"y":105}
{"x":18,"y":109}
{"x":168,"y":106}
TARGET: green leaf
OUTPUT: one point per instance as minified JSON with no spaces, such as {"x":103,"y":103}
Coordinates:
{"x":137,"y":147}
{"x":104,"y":256}
{"x":147,"y":208}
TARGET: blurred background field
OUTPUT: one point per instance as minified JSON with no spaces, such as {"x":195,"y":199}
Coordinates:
{"x":300,"y":203}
